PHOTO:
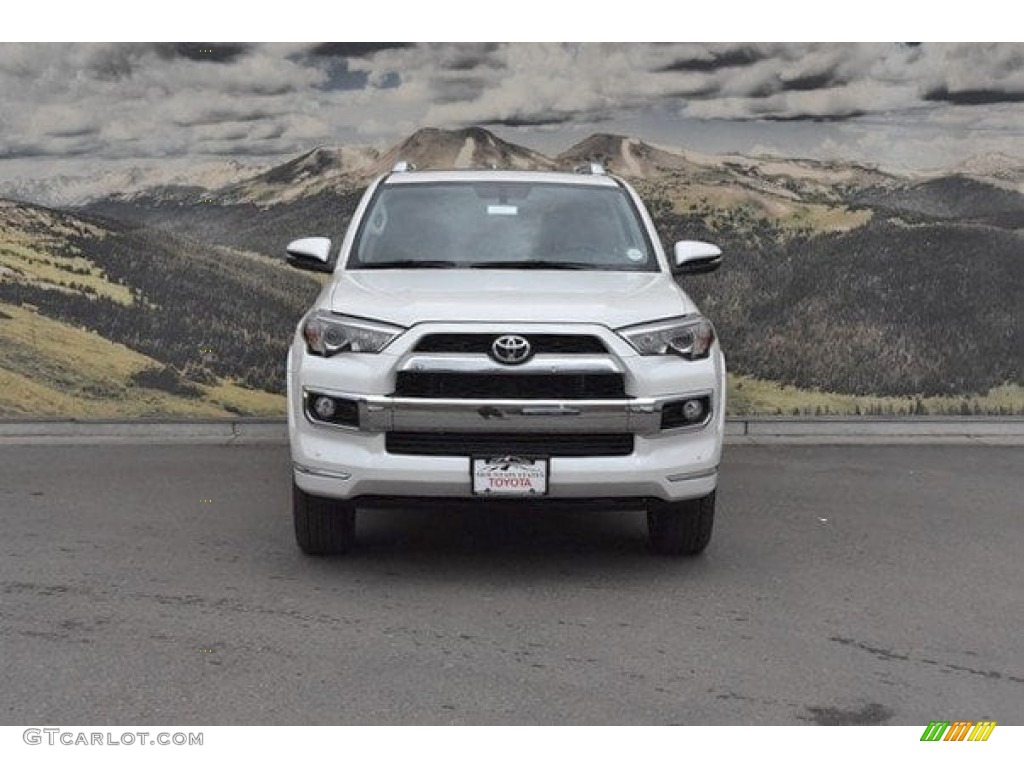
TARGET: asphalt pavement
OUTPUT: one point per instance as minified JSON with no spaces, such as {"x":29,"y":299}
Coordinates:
{"x":844,"y":584}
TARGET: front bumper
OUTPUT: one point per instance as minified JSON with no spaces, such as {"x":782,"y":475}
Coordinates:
{"x":348,"y":465}
{"x":346,"y":462}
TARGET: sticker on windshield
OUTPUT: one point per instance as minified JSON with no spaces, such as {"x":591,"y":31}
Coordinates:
{"x":635,"y":254}
{"x":502,"y":210}
{"x":379,"y":220}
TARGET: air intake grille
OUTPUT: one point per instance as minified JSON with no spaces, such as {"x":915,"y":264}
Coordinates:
{"x":491,"y":386}
{"x":476,"y":444}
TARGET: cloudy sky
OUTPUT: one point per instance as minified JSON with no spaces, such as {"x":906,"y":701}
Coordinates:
{"x":898,"y":105}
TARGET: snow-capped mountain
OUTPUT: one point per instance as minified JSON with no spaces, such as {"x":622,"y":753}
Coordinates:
{"x":465,"y":148}
{"x":996,"y":168}
{"x":82,"y":186}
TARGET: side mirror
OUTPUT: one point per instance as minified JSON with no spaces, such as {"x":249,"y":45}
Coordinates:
{"x":693,"y":257}
{"x":311,"y":253}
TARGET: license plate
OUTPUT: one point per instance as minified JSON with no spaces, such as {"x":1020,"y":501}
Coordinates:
{"x":510,"y":476}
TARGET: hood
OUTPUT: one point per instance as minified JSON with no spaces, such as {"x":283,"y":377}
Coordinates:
{"x":406,"y":297}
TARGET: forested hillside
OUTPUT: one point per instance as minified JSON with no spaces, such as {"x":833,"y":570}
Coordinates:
{"x":206,"y":312}
{"x":244,"y":225}
{"x":885,"y":309}
{"x":953,"y":198}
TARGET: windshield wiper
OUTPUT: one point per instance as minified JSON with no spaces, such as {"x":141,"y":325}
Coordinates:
{"x":414,"y":264}
{"x":534,"y":265}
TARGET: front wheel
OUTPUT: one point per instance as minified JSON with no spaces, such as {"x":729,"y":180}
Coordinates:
{"x":322,"y":526}
{"x":680,"y":527}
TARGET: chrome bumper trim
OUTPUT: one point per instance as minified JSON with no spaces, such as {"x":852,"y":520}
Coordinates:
{"x":440,"y":362}
{"x":333,"y":474}
{"x":641,"y":416}
{"x":681,"y":476}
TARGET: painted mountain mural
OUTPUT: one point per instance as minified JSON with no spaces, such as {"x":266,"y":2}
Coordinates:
{"x":845,"y":289}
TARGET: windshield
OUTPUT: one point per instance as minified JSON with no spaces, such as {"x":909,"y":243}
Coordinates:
{"x":496,"y":225}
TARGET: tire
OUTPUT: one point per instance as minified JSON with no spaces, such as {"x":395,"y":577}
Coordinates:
{"x":322,"y":526}
{"x":677,"y":528}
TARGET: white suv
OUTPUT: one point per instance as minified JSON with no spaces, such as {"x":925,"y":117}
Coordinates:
{"x":504,"y":336}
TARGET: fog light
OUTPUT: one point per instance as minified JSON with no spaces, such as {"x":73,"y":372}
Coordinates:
{"x":693,"y":410}
{"x":324,"y":407}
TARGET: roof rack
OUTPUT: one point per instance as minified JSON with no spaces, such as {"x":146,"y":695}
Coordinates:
{"x":594,"y":169}
{"x":402,"y":166}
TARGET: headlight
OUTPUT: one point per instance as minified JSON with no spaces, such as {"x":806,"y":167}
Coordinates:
{"x":690,"y":337}
{"x":327,"y":334}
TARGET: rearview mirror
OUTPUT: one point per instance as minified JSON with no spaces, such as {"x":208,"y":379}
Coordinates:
{"x":693,"y":257}
{"x":311,"y":253}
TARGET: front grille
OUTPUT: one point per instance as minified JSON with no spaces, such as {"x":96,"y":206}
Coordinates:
{"x":541,"y":343}
{"x":490,"y":445}
{"x":496,"y":386}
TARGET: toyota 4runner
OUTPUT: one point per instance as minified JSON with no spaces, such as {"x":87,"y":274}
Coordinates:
{"x":504,"y":335}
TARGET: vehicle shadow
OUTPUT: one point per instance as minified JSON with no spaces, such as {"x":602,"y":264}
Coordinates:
{"x":485,"y":530}
{"x":521,"y":545}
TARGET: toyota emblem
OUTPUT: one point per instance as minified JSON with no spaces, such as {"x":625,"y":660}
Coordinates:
{"x":511,"y":350}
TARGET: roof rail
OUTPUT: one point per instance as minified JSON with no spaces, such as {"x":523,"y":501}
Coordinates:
{"x":594,"y":169}
{"x":402,"y":166}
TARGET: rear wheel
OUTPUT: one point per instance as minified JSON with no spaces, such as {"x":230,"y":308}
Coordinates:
{"x":322,"y":526}
{"x":680,"y":527}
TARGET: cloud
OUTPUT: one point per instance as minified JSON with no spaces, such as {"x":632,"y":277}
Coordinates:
{"x":218,"y":53}
{"x":974,"y":96}
{"x":466,"y":58}
{"x":182,"y":99}
{"x":356,"y":50}
{"x":533,"y":121}
{"x":712,"y":61}
{"x":458,"y":87}
{"x":817,"y":117}
{"x":812,"y":82}
{"x":973,"y":74}
{"x":841,"y":102}
{"x":206,"y":115}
